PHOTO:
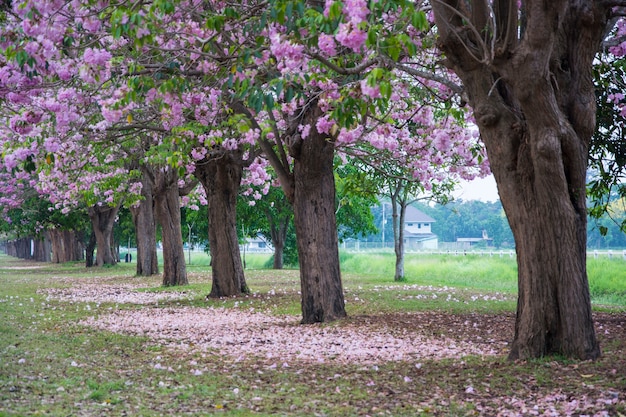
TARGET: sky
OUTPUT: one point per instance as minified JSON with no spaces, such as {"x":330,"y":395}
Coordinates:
{"x":483,"y":189}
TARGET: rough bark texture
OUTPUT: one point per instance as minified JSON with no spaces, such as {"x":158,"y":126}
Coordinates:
{"x":220,"y":175}
{"x":310,"y":188}
{"x":316,"y":226}
{"x":167,"y":209}
{"x":102,"y":220}
{"x":534,"y":104}
{"x":145,"y":231}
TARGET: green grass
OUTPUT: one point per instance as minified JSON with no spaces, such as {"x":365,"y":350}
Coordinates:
{"x":51,"y":366}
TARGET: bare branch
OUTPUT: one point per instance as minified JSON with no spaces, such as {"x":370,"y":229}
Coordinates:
{"x":428,"y":76}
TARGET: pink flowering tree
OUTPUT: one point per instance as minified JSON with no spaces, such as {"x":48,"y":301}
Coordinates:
{"x":68,"y":60}
{"x":68,"y":172}
{"x":342,"y":77}
{"x":307,"y":79}
{"x":453,"y":154}
{"x":526,"y":68}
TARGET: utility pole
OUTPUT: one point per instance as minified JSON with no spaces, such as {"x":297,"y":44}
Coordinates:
{"x":383,"y":225}
{"x":189,"y":242}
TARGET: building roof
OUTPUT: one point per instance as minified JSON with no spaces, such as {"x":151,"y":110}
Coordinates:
{"x":414,"y":215}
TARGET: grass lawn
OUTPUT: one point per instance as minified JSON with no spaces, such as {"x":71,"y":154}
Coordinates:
{"x":102,"y":342}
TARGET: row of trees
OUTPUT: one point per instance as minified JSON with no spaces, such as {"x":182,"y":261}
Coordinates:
{"x":133,"y":103}
{"x":115,"y":101}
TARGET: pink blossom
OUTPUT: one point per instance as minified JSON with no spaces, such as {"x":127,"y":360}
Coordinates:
{"x":110,"y":115}
{"x":51,"y":144}
{"x":305,"y":130}
{"x":17,"y":98}
{"x":355,"y":10}
{"x":323,"y":124}
{"x":369,"y":90}
{"x":94,"y":56}
{"x":230,"y":144}
{"x":346,"y":136}
{"x":19,"y":125}
{"x":327,"y":45}
{"x":351,"y":37}
{"x":327,"y":4}
{"x":198,"y":153}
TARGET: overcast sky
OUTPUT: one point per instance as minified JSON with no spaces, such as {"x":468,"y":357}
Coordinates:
{"x":483,"y":189}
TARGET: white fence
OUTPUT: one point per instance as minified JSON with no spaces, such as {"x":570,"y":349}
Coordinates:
{"x":357,"y":246}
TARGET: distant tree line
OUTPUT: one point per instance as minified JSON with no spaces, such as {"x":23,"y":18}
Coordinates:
{"x":463,"y":219}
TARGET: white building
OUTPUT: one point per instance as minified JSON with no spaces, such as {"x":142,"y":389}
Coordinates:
{"x":417,"y":230}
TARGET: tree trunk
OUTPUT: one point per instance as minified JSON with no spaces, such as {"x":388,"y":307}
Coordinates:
{"x":279,"y":254}
{"x":58,"y":247}
{"x":398,"y":238}
{"x":78,"y":245}
{"x":167,"y":208}
{"x":23,"y":248}
{"x":535,"y":108}
{"x":102,"y":219}
{"x":221,"y":177}
{"x":43,"y":248}
{"x":145,"y":231}
{"x":89,"y":250}
{"x":65,"y":246}
{"x":279,"y":237}
{"x":316,"y":226}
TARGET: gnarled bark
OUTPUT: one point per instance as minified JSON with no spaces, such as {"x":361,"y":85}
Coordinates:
{"x":220,"y":175}
{"x":534,"y":104}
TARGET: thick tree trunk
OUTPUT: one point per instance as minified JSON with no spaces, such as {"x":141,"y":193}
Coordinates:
{"x":535,"y":108}
{"x":316,"y":227}
{"x":102,"y":220}
{"x":65,"y":246}
{"x":43,"y":248}
{"x":23,"y":248}
{"x":145,"y":231}
{"x":221,"y":177}
{"x":58,"y":246}
{"x":167,"y":208}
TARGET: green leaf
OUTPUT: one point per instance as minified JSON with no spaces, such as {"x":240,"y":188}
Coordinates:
{"x":419,"y":21}
{"x":372,"y":36}
{"x":334,"y":11}
{"x":268,"y":99}
{"x":385,"y":89}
